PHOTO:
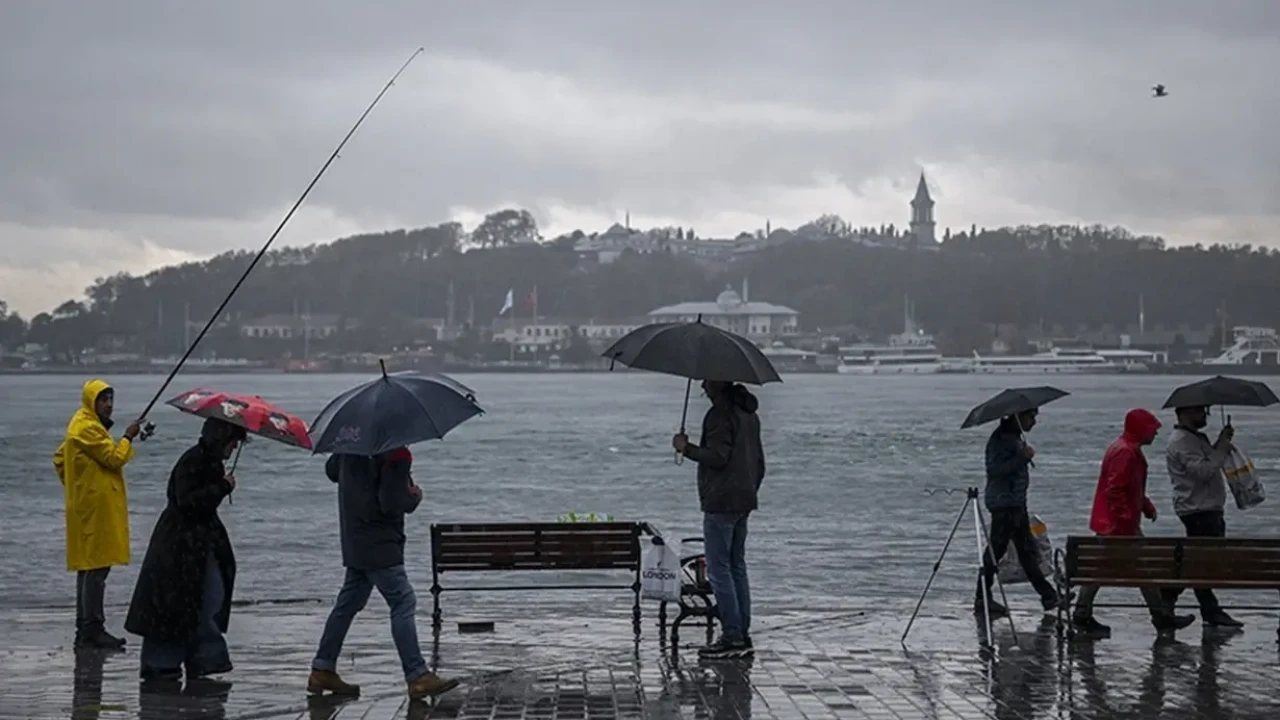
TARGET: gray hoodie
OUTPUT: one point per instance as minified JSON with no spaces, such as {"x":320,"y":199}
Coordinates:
{"x":1195,"y":469}
{"x":729,"y":454}
{"x":373,"y":498}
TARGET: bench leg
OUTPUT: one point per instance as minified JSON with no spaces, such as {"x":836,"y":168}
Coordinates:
{"x":435,"y":606}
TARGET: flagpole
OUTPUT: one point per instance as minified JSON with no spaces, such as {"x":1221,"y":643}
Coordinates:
{"x":512,"y":347}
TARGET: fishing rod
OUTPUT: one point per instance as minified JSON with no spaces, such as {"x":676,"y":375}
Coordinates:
{"x":216,"y":313}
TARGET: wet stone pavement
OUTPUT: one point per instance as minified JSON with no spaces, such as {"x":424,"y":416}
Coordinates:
{"x":556,"y":661}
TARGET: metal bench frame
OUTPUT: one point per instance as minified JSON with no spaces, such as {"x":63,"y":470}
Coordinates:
{"x":510,"y":547}
{"x":696,"y":597}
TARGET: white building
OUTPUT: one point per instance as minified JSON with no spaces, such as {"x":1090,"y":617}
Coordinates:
{"x":736,"y":313}
{"x":291,"y":326}
{"x":552,"y":334}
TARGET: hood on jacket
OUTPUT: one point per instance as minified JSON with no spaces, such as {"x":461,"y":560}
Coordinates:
{"x":89,"y":398}
{"x":741,"y":397}
{"x":217,"y":433}
{"x":1141,"y":425}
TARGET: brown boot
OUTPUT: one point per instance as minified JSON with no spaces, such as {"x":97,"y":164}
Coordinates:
{"x":430,"y":685}
{"x":322,"y":681}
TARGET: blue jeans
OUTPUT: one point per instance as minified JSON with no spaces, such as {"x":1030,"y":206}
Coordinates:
{"x":724,"y":537}
{"x":393,"y":585}
{"x":205,"y":653}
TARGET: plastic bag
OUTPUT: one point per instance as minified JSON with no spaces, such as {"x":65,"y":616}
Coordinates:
{"x":1010,"y":570}
{"x":1242,"y":478}
{"x":660,"y":573}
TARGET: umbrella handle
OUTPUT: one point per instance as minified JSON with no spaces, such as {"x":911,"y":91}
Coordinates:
{"x":684,"y":415}
{"x":234,"y":461}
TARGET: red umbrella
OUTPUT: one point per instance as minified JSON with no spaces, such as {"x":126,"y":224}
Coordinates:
{"x":255,"y":415}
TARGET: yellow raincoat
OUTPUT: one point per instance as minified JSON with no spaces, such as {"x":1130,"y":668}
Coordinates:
{"x":90,"y":465}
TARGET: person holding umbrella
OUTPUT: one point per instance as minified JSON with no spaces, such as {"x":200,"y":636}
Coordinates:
{"x":181,"y":604}
{"x":1008,"y":463}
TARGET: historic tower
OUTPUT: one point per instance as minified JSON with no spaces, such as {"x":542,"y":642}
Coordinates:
{"x":922,"y":225}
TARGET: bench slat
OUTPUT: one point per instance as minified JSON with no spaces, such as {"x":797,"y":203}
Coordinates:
{"x":1244,"y":563}
{"x":1166,"y":583}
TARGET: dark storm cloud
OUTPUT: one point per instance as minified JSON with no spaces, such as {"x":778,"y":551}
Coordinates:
{"x":221,"y":111}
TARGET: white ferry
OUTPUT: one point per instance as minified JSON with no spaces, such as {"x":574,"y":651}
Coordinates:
{"x":1055,"y":361}
{"x":1255,"y":347}
{"x":910,"y":352}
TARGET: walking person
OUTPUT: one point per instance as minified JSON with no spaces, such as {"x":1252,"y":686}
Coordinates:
{"x":731,"y":466}
{"x":374,"y":495}
{"x":90,"y":466}
{"x":1199,"y":494}
{"x":181,"y":604}
{"x":1008,"y":462}
{"x":1119,"y":504}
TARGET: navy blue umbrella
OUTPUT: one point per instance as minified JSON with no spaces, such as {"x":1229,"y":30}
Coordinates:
{"x":393,"y":411}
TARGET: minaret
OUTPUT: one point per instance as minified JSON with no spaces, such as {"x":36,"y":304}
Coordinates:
{"x":922,"y":225}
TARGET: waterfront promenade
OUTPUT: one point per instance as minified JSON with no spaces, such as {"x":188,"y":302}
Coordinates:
{"x":556,"y":660}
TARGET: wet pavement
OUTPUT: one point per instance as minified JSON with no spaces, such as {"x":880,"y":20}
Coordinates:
{"x":558,"y":661}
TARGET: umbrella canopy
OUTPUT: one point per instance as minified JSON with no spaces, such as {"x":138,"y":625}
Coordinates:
{"x":1221,"y":390}
{"x":393,"y":411}
{"x":255,"y":415}
{"x":1011,"y":402}
{"x":696,"y":351}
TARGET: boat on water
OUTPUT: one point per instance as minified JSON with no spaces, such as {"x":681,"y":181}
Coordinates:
{"x":1253,"y":351}
{"x":1051,"y":362}
{"x":910,"y":352}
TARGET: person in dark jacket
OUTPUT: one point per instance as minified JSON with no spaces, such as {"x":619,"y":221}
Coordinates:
{"x":731,"y":466}
{"x":1008,"y":461}
{"x":181,"y":604}
{"x":374,"y":495}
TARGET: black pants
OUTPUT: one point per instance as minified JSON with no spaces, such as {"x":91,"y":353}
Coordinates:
{"x":91,"y":587}
{"x":1210,"y":523}
{"x":1013,"y":525}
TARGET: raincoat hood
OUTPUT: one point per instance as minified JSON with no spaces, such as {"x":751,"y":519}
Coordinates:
{"x":740,"y":397}
{"x":1140,"y":425}
{"x":89,"y":396}
{"x":217,"y":432}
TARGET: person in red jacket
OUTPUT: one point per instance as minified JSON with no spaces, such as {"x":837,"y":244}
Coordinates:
{"x":1119,"y":504}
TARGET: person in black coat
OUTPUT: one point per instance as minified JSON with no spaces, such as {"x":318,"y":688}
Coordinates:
{"x":181,"y":603}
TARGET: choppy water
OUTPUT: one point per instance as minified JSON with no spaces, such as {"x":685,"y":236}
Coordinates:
{"x":844,"y":511}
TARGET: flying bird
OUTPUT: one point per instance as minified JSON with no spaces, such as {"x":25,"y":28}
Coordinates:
{"x":1159,"y":91}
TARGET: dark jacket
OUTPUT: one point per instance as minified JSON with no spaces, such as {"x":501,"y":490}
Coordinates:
{"x":373,"y":498}
{"x":1007,"y":468}
{"x":167,"y":597}
{"x":729,"y":454}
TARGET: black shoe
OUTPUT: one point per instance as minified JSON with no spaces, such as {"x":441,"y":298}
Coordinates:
{"x":198,"y":672}
{"x":1165,"y":623}
{"x":724,"y":648}
{"x":1090,"y":625}
{"x":101,"y":640}
{"x":1221,"y":619}
{"x":746,"y":642}
{"x":156,"y":675}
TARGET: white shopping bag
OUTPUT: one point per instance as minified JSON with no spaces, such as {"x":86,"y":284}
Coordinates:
{"x":660,"y":573}
{"x":1010,"y":569}
{"x":1243,"y":480}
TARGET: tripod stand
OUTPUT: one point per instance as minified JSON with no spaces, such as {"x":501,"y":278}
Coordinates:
{"x":980,"y":535}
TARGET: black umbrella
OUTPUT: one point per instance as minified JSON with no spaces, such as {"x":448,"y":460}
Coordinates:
{"x":1011,"y":402}
{"x":695,"y":351}
{"x":1221,"y":390}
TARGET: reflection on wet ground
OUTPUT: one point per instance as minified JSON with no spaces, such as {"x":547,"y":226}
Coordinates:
{"x":545,"y":663}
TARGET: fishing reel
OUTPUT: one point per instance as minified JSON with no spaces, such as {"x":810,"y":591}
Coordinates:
{"x":147,"y":431}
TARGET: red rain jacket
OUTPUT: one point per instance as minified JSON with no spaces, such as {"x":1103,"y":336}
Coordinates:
{"x":1121,"y":497}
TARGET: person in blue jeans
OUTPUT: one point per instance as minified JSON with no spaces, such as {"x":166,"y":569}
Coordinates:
{"x":374,"y":495}
{"x":731,"y":466}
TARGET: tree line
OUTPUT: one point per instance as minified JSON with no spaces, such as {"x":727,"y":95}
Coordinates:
{"x":833,"y":273}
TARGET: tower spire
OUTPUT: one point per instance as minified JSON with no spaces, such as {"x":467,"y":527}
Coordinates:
{"x":922,"y":225}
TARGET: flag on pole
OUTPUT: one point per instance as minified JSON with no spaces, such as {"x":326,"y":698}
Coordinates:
{"x":508,"y":303}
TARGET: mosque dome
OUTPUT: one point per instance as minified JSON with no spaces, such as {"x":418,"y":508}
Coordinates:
{"x":729,"y":298}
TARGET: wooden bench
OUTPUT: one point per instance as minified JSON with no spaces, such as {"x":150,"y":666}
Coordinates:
{"x":1173,"y":562}
{"x":509,"y":547}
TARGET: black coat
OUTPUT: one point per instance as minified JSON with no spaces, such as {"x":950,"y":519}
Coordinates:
{"x":373,"y":498}
{"x":729,"y":454}
{"x":166,"y":600}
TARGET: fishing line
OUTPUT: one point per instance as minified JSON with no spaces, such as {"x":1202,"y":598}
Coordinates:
{"x":217,"y":313}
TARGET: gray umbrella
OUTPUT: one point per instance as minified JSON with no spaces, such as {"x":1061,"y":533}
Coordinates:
{"x":1221,"y":390}
{"x":1011,"y":402}
{"x":695,"y":351}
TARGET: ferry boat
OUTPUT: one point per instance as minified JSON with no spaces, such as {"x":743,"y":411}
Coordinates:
{"x":1254,"y":351}
{"x":910,"y":352}
{"x":1054,"y":361}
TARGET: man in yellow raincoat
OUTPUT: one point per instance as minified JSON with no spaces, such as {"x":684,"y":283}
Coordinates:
{"x":90,"y":465}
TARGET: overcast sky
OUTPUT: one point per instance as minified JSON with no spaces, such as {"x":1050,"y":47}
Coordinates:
{"x":135,"y":134}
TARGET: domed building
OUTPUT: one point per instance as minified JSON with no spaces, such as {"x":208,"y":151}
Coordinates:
{"x":736,"y":313}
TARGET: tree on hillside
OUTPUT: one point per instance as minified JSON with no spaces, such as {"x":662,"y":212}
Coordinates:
{"x":506,"y":227}
{"x":13,"y":329}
